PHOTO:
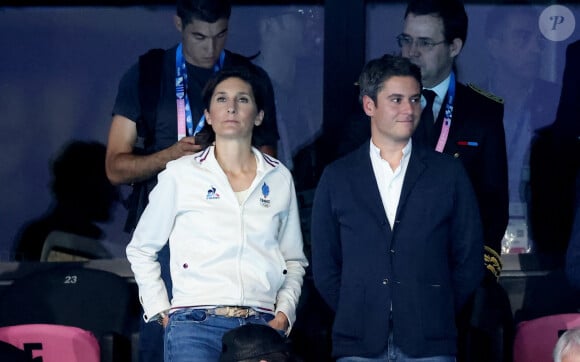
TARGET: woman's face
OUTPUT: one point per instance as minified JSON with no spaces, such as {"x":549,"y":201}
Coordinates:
{"x":233,"y":112}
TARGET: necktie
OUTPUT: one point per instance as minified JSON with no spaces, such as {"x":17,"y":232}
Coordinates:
{"x":427,"y":118}
{"x":427,"y":114}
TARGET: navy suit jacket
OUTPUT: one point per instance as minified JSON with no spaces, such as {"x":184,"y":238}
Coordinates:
{"x":477,"y":117}
{"x":426,"y":267}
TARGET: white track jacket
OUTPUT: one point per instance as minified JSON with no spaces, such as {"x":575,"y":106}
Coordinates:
{"x":222,"y":253}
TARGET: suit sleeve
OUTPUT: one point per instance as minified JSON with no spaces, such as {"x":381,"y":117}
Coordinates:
{"x":467,"y":241}
{"x":493,"y":194}
{"x":326,"y":245}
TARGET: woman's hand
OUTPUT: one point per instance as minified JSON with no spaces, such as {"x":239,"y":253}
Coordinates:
{"x":280,"y":322}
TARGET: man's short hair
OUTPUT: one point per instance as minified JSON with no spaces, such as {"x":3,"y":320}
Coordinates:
{"x":377,"y":71}
{"x":209,"y":11}
{"x":451,"y":12}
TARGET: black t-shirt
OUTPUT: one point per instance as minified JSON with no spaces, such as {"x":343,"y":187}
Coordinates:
{"x":128,"y":104}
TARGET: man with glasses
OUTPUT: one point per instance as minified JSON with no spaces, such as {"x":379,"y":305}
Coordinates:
{"x":467,"y":123}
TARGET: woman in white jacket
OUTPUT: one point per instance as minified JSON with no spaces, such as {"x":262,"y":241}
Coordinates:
{"x":230,"y":216}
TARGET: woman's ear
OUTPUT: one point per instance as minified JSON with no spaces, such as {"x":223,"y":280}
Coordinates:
{"x":206,"y":115}
{"x":259,"y":118}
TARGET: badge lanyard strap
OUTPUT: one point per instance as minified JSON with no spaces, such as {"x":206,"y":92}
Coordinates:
{"x":448,"y":115}
{"x":184,"y":117}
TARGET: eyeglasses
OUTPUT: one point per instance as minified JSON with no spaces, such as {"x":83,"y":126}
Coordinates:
{"x":406,"y":41}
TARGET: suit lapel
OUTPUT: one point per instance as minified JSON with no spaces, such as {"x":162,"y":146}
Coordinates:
{"x":364,"y":183}
{"x":414,"y":170}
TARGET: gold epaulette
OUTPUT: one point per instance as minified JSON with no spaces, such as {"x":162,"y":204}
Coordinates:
{"x":492,"y":261}
{"x":485,"y":93}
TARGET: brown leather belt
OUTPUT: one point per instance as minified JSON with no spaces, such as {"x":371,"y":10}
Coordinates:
{"x":232,"y":312}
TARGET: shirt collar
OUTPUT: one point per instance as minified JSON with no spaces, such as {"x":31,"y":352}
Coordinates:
{"x":441,"y":88}
{"x":376,"y":152}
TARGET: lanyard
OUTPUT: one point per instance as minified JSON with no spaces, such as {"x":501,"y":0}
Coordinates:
{"x":448,"y":115}
{"x":184,"y":117}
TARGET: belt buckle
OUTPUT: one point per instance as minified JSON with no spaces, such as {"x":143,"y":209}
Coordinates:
{"x":237,"y":312}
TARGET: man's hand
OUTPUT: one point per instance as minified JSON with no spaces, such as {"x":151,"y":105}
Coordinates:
{"x":123,"y":166}
{"x":280,"y":322}
{"x":185,"y":146}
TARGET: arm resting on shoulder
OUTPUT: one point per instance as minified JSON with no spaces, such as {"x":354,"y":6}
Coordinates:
{"x":124,"y":166}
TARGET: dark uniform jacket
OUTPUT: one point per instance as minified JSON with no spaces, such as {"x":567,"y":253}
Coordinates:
{"x":476,"y":137}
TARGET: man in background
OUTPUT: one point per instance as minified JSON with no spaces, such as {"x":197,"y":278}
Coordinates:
{"x":467,"y":123}
{"x":515,"y":47}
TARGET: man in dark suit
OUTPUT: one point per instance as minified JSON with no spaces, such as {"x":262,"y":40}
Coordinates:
{"x":396,"y":232}
{"x":433,"y":36}
{"x":467,"y":123}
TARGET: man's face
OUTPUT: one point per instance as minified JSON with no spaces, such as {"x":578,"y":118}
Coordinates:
{"x":518,"y":45}
{"x":203,"y":42}
{"x":435,"y":61}
{"x":396,"y":113}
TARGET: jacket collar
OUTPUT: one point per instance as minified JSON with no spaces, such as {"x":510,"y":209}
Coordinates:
{"x":265,"y":163}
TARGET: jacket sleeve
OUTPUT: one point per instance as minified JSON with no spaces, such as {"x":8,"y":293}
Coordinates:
{"x":326,"y":246}
{"x":151,"y":234}
{"x":467,"y":241}
{"x":292,"y":250}
{"x":493,"y":197}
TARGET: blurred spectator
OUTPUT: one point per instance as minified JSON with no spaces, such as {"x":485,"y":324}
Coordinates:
{"x":83,"y":197}
{"x":291,"y":44}
{"x":515,"y":46}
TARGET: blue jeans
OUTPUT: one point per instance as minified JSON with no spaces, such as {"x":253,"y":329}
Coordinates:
{"x":394,"y":353}
{"x":192,"y":335}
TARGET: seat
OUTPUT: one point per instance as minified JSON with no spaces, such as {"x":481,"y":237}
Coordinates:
{"x":53,"y":343}
{"x":64,"y":246}
{"x":69,"y":294}
{"x":535,"y":339}
{"x":12,"y":353}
